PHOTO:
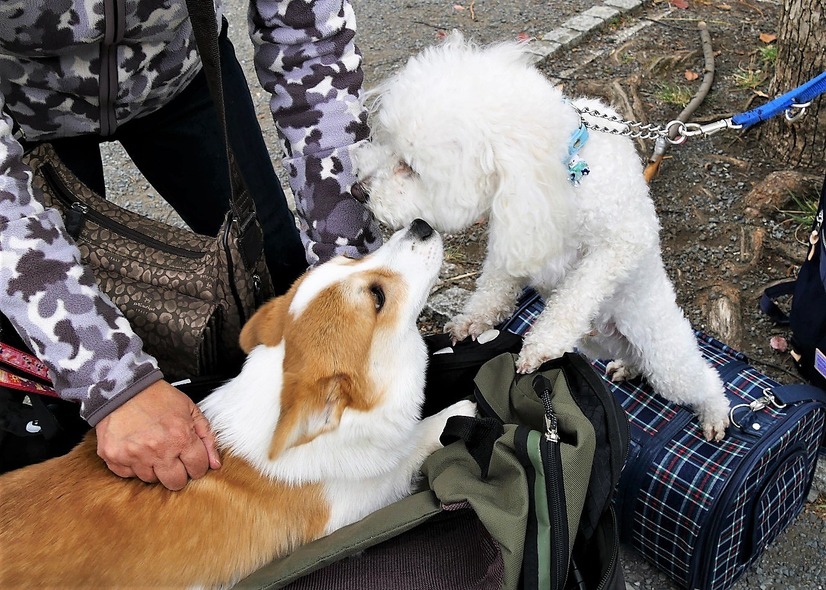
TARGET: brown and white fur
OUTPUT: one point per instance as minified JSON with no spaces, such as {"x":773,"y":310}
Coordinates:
{"x":320,"y":428}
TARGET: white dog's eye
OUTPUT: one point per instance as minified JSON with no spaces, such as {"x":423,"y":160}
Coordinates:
{"x":404,"y":169}
{"x":378,"y":295}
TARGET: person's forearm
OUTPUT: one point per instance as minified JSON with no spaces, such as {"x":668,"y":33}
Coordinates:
{"x":307,"y":59}
{"x":92,"y":353}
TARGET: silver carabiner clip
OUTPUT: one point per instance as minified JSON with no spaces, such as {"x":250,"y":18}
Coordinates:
{"x":761,"y":403}
{"x":681,"y":134}
{"x":771,"y":399}
{"x":791,"y":116}
{"x":712,"y":128}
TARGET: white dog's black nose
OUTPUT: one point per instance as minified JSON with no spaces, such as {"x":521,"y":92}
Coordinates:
{"x":360,"y":193}
{"x":421,"y":229}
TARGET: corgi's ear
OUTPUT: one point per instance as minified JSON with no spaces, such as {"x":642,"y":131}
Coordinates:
{"x":308,"y":410}
{"x":266,"y":326}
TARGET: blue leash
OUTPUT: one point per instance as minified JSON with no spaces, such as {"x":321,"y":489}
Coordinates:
{"x":800,"y":97}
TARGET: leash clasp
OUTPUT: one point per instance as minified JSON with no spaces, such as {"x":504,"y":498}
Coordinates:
{"x":792,"y":116}
{"x":767,"y":400}
{"x":686,"y":130}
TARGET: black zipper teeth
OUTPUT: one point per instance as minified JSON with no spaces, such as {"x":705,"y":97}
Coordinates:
{"x":552,"y":458}
{"x":67,"y":198}
{"x":554,"y":485}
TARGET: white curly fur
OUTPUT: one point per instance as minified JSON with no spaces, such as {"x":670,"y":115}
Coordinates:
{"x":465,"y":132}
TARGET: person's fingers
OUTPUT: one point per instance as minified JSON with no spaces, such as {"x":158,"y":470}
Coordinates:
{"x":195,"y":458}
{"x":204,"y":432}
{"x":172,"y":475}
{"x":158,"y":435}
{"x":145,"y":473}
{"x":121,"y":470}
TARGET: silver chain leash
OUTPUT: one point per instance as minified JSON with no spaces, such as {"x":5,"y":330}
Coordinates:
{"x":675,"y":132}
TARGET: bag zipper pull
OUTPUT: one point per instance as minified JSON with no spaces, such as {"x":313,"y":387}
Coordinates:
{"x":814,"y":237}
{"x":75,"y":218}
{"x":542,"y":387}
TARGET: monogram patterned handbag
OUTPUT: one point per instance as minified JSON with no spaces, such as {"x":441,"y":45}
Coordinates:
{"x":186,"y":295}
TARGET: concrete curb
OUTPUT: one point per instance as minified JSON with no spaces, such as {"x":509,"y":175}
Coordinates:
{"x":578,"y":28}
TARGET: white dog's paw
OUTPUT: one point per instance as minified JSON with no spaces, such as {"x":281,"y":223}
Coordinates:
{"x":435,"y":424}
{"x":617,"y":371}
{"x":533,"y":354}
{"x":462,"y":326}
{"x":460,"y":408}
{"x":714,"y":417}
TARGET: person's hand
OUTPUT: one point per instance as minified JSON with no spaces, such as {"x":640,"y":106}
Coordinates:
{"x":158,"y":435}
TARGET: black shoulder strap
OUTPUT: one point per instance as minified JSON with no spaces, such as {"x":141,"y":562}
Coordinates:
{"x":770,"y":295}
{"x":205,"y":29}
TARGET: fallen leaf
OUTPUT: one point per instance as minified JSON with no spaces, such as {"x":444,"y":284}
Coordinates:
{"x":679,"y":3}
{"x":458,"y":7}
{"x":724,"y":6}
{"x":689,"y":75}
{"x":440,"y":35}
{"x":768,"y":37}
{"x":779,"y":343}
{"x":523,"y":36}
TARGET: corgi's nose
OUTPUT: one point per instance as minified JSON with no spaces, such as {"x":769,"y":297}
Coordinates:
{"x":421,"y":229}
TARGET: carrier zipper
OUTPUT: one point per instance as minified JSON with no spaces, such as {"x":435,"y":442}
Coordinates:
{"x":640,"y":467}
{"x":79,"y":210}
{"x":554,"y":485}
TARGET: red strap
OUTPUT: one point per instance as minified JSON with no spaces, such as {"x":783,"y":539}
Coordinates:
{"x":24,"y":361}
{"x":23,"y":384}
{"x":27,"y":363}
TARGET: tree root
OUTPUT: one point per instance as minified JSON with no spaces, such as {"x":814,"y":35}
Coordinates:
{"x":708,"y":77}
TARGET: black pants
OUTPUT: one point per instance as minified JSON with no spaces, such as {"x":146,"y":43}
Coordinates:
{"x":180,"y":151}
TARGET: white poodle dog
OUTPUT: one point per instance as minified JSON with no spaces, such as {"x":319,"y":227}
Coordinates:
{"x":463,"y":133}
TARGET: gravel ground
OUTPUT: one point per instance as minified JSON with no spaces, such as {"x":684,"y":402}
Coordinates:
{"x":714,"y":251}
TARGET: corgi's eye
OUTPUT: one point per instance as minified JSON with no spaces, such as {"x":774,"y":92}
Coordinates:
{"x":378,"y":296}
{"x":403,"y":168}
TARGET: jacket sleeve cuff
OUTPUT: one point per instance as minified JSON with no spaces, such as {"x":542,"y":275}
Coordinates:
{"x":99,"y":413}
{"x":331,"y":220}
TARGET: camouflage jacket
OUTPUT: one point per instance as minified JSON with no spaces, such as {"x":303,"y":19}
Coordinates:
{"x":51,"y":58}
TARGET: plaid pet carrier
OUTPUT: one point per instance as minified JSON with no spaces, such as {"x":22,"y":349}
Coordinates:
{"x":700,"y":511}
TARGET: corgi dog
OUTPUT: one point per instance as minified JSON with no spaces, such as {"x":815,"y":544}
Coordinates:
{"x":321,"y":427}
